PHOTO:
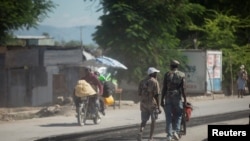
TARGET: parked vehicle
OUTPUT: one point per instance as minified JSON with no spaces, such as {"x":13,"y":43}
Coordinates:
{"x":88,"y":110}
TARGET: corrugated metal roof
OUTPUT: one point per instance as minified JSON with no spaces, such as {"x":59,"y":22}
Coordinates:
{"x":32,"y":37}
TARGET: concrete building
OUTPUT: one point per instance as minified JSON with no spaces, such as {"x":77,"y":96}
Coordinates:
{"x":36,"y":40}
{"x":37,"y":76}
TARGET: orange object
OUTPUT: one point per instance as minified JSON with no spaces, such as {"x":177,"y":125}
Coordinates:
{"x":188,"y":111}
{"x":109,"y":100}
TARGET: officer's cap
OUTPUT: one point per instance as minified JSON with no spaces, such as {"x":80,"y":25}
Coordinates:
{"x":175,"y":62}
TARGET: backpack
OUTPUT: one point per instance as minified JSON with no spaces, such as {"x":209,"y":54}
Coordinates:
{"x":108,"y":88}
{"x":83,"y":88}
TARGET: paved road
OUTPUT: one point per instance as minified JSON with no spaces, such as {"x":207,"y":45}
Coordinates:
{"x":199,"y":133}
{"x":30,"y":130}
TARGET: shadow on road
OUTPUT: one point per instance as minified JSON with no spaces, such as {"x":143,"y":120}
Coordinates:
{"x":60,"y":125}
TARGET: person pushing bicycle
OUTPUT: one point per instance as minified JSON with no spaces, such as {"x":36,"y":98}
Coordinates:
{"x":171,"y":100}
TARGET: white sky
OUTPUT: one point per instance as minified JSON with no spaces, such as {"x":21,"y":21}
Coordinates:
{"x":71,"y":13}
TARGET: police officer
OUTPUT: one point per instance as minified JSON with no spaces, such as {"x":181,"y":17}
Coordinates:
{"x":171,"y":100}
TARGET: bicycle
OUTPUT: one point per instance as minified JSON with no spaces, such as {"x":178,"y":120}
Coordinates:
{"x":88,"y":110}
{"x":186,"y":113}
{"x":187,"y":109}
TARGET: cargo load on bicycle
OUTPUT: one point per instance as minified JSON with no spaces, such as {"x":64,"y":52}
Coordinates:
{"x":83,"y":88}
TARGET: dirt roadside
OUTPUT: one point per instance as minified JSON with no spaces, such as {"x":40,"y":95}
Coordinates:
{"x":68,"y":109}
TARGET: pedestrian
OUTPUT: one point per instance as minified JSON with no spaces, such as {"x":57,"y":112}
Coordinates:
{"x":148,"y":91}
{"x":242,"y":81}
{"x":171,"y":100}
{"x":96,"y":84}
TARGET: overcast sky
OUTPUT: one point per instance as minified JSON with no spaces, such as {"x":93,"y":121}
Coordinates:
{"x":71,"y":13}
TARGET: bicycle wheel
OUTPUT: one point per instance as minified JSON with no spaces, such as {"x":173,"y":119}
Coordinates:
{"x":183,"y":123}
{"x":86,"y":111}
{"x":80,"y":116}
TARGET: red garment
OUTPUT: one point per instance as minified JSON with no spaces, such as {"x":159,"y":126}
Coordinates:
{"x":93,"y":80}
{"x":188,"y":111}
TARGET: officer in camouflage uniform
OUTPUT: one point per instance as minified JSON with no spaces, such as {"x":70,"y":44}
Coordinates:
{"x":171,"y":100}
{"x":149,"y":91}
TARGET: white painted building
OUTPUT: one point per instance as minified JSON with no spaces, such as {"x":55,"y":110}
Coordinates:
{"x":37,"y":40}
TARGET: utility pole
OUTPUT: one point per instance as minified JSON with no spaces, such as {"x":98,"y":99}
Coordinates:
{"x":81,"y":36}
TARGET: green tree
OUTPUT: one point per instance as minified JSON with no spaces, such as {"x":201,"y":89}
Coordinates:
{"x":72,"y":43}
{"x":224,"y":26}
{"x":15,"y":14}
{"x":142,"y":33}
{"x":148,"y":33}
{"x":219,"y":32}
{"x":232,"y":8}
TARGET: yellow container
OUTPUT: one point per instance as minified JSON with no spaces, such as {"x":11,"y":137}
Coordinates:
{"x":109,"y":100}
